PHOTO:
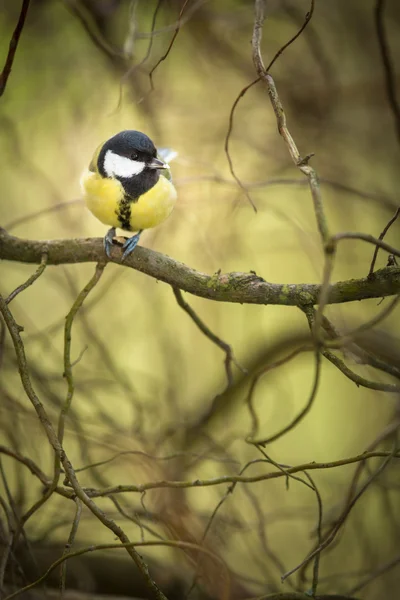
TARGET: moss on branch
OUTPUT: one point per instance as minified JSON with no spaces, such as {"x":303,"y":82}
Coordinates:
{"x":245,"y":288}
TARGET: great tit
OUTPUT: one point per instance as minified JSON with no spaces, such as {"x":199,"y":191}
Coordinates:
{"x":124,"y":187}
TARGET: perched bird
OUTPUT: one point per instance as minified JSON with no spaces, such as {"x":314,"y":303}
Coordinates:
{"x":128,"y":186}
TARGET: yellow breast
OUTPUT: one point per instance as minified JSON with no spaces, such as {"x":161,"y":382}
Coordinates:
{"x":103,"y":196}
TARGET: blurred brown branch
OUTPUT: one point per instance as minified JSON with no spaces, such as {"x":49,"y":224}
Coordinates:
{"x":60,"y":454}
{"x":13,"y":46}
{"x":229,"y":356}
{"x":388,"y":66}
{"x":160,"y":490}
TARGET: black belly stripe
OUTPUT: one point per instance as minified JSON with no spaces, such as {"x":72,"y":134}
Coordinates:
{"x":124,"y":212}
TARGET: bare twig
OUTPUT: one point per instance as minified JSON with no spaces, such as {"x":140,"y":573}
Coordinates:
{"x":381,"y":236}
{"x":228,"y":137}
{"x":128,"y":546}
{"x":301,"y":163}
{"x":303,"y":412}
{"x":341,"y":365}
{"x":346,"y":339}
{"x":375,"y":574}
{"x":307,"y":19}
{"x":330,"y":253}
{"x":52,"y":437}
{"x":244,"y":91}
{"x":31,"y":279}
{"x":196,"y":483}
{"x":168,"y":50}
{"x":11,"y":516}
{"x":313,"y":487}
{"x":331,"y":536}
{"x":137,"y":66}
{"x":254,"y":383}
{"x":302,"y":596}
{"x":84,"y":15}
{"x":167,"y":457}
{"x":229,"y":356}
{"x":67,"y":346}
{"x":365,"y":237}
{"x":28,"y":462}
{"x":381,"y":199}
{"x":358,"y":379}
{"x":43,"y":211}
{"x":13,"y":46}
{"x":228,"y":493}
{"x":389,"y":71}
{"x":68,"y":545}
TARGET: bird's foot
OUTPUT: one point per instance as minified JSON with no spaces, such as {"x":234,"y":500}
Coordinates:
{"x":108,"y":241}
{"x":130,"y":245}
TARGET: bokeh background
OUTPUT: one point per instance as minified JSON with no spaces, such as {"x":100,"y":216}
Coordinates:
{"x":147,"y":382}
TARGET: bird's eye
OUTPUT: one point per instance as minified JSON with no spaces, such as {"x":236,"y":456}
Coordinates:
{"x":134,"y":156}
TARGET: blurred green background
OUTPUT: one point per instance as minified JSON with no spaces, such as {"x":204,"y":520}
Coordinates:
{"x":148,"y":375}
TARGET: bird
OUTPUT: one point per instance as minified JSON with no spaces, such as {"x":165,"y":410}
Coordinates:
{"x":128,"y":186}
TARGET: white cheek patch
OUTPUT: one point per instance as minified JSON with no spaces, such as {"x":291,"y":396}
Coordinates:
{"x":120,"y":166}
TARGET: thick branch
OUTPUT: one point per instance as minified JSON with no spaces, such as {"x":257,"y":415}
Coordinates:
{"x":244,"y":288}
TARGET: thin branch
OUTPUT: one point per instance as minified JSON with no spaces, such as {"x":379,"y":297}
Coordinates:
{"x":28,"y":462}
{"x":301,"y":163}
{"x":67,"y":346}
{"x":244,"y":91}
{"x":228,"y":493}
{"x":268,"y":440}
{"x":381,"y":199}
{"x":89,"y":24}
{"x":228,"y":137}
{"x":32,"y":279}
{"x":349,"y":337}
{"x":43,"y":211}
{"x":365,"y":237}
{"x":128,"y":546}
{"x":331,"y":536}
{"x":198,"y":483}
{"x":375,"y":574}
{"x":311,"y":485}
{"x":307,"y":19}
{"x":244,"y":288}
{"x":168,"y":50}
{"x":52,"y":437}
{"x":302,"y":596}
{"x":13,"y":46}
{"x":12,"y":517}
{"x":229,"y":356}
{"x":174,"y":456}
{"x":381,"y":236}
{"x":330,"y":248}
{"x":68,"y":545}
{"x":254,"y":384}
{"x":128,"y":74}
{"x":389,"y":71}
{"x":341,"y":365}
{"x":189,"y":12}
{"x":358,"y":379}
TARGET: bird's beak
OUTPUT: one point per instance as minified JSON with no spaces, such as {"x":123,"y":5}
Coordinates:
{"x":155,"y":163}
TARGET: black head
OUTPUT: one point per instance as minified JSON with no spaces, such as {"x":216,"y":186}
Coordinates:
{"x":131,"y":157}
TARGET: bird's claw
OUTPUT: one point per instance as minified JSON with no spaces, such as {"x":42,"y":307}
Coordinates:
{"x":108,"y":241}
{"x":130,"y":245}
